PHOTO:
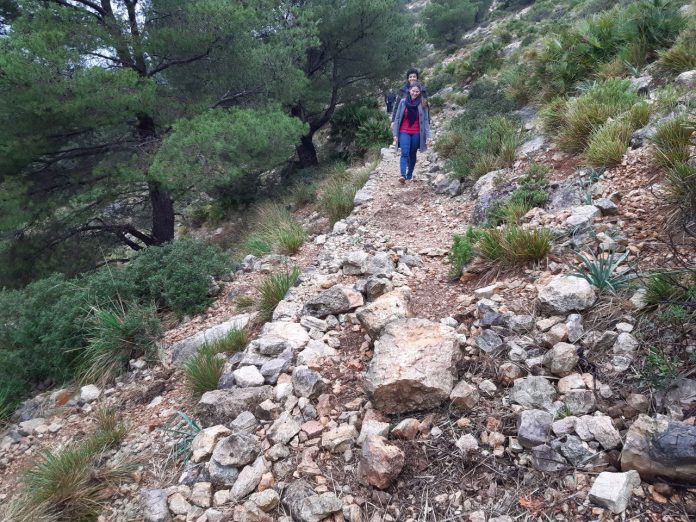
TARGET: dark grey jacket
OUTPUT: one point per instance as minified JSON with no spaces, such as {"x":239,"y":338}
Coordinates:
{"x":423,"y":123}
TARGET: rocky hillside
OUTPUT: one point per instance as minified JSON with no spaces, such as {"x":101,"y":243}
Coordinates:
{"x":483,"y":346}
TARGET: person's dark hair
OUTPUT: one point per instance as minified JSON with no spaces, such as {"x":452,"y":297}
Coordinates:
{"x":416,"y":84}
{"x":412,"y":71}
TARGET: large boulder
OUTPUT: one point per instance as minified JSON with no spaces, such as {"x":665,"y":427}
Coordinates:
{"x":660,"y":448}
{"x":413,"y":367}
{"x":223,"y":406}
{"x":338,"y":299}
{"x":565,"y":294}
{"x":383,"y":310}
{"x":183,"y":350}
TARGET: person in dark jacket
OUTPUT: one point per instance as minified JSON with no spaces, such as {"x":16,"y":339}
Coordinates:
{"x":411,"y":130}
{"x":412,"y":76}
{"x":389,"y":98}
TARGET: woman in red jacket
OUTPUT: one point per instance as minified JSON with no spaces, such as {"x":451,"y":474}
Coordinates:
{"x":411,"y":130}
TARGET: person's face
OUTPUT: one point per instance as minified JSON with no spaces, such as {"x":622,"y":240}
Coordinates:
{"x":415,"y":92}
{"x":413,"y":77}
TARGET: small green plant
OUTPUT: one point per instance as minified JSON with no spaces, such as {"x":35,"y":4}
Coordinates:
{"x":660,"y":369}
{"x":273,"y":289}
{"x":603,"y":271}
{"x":462,"y":251}
{"x":116,"y":337}
{"x":183,"y":429}
{"x":680,"y":188}
{"x":203,"y":370}
{"x":672,"y":288}
{"x":245,"y":302}
{"x":303,"y":194}
{"x":257,"y":245}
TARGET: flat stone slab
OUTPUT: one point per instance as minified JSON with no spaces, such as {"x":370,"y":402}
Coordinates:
{"x":183,"y":350}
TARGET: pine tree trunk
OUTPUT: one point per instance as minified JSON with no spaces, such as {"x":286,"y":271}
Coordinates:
{"x":162,"y":214}
{"x":307,"y":152}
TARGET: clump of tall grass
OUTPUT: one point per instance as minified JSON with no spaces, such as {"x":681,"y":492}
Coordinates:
{"x":514,"y":246}
{"x":273,"y":289}
{"x":70,"y":484}
{"x":116,"y":336}
{"x":337,"y":193}
{"x":673,"y":140}
{"x":682,"y":55}
{"x":203,"y":371}
{"x":277,"y":227}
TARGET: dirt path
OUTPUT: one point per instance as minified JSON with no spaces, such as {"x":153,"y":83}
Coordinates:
{"x":412,"y":216}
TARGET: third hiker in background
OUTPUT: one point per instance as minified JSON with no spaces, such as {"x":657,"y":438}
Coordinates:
{"x":412,"y":77}
{"x":389,"y":99}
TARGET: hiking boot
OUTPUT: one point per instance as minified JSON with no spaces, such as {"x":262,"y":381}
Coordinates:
{"x":402,"y":181}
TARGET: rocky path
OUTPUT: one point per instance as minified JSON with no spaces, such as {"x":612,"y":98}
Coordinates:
{"x":384,"y":391}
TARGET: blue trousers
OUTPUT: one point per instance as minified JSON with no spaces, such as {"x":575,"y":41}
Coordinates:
{"x":409,"y":144}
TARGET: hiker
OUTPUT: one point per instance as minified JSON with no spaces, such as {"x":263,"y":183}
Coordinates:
{"x":412,"y":76}
{"x":411,"y":130}
{"x":389,"y":98}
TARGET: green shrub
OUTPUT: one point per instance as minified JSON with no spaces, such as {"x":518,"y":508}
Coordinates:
{"x":482,"y":59}
{"x":356,"y":127}
{"x":633,"y":33}
{"x":375,"y":132}
{"x":50,"y":322}
{"x":512,"y":245}
{"x":474,"y":152}
{"x":176,"y":276}
{"x":273,"y":289}
{"x":203,"y":371}
{"x":436,"y":102}
{"x":580,"y":116}
{"x":462,"y":251}
{"x":115,"y":337}
{"x":673,"y":140}
{"x":682,"y":55}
